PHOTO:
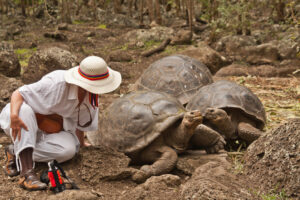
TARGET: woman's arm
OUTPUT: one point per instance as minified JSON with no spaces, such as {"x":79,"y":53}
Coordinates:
{"x":16,"y":124}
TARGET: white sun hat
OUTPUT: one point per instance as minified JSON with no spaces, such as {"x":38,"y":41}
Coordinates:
{"x":94,"y":75}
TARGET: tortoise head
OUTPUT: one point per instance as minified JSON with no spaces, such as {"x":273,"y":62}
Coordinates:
{"x":215,"y":115}
{"x":192,"y":119}
{"x":185,"y":131}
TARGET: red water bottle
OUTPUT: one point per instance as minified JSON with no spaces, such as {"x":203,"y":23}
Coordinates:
{"x":56,"y":181}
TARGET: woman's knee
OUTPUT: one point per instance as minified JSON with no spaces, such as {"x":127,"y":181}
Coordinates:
{"x":66,"y":153}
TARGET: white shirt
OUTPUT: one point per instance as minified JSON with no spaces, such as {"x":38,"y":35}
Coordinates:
{"x":53,"y":95}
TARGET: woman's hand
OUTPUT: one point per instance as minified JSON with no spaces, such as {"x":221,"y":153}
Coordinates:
{"x":16,"y":124}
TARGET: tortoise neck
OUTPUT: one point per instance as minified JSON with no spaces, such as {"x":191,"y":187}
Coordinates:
{"x":180,"y":136}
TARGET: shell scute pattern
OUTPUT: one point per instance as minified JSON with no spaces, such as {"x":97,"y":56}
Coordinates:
{"x":177,"y":75}
{"x":165,"y":107}
{"x":133,"y":121}
{"x":227,"y":94}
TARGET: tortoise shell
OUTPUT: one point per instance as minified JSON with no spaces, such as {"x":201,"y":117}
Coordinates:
{"x":133,"y":121}
{"x":177,"y":75}
{"x":226,"y":94}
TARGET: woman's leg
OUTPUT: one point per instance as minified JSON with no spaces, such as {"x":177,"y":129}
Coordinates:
{"x":60,"y":146}
{"x":24,"y":147}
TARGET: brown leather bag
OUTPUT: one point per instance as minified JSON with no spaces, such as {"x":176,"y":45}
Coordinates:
{"x":49,"y":123}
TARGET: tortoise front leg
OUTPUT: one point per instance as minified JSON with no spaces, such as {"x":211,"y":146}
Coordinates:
{"x":207,"y":138}
{"x":248,"y":133}
{"x":162,"y":164}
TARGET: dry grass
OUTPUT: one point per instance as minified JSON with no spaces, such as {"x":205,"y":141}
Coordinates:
{"x":280,"y":96}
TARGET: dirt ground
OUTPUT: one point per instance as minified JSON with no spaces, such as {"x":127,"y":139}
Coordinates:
{"x":101,"y":173}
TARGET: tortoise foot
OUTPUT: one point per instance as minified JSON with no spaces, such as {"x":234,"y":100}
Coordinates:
{"x":141,"y":175}
{"x":219,"y":145}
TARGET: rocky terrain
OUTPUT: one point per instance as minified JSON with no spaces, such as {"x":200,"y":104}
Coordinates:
{"x":266,"y":61}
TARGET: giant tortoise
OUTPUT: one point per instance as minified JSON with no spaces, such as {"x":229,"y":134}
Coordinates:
{"x":177,"y":75}
{"x":232,"y":110}
{"x":148,"y":126}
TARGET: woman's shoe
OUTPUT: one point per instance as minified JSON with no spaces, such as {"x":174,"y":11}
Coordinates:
{"x":30,"y":181}
{"x":10,"y":167}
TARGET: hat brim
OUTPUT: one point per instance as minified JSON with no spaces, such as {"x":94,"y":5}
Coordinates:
{"x":101,"y":86}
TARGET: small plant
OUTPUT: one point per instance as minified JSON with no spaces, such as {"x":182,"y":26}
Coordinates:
{"x":170,"y":50}
{"x":270,"y":196}
{"x":236,"y":158}
{"x":24,"y":55}
{"x":151,"y":43}
{"x":102,"y":26}
{"x":241,"y":80}
{"x":275,"y":196}
{"x":125,"y":47}
{"x":238,"y":166}
{"x":87,"y":51}
{"x":76,"y":22}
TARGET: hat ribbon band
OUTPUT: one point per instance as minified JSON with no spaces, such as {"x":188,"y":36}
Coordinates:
{"x":93,"y":77}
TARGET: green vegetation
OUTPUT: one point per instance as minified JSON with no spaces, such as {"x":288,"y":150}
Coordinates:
{"x":170,"y":50}
{"x":87,"y":51}
{"x":102,"y":26}
{"x":24,"y":51}
{"x":235,"y":16}
{"x":151,"y":43}
{"x":24,"y":55}
{"x":272,"y":195}
{"x":238,"y":166}
{"x":125,"y":47}
{"x":76,"y":22}
{"x":173,"y":49}
{"x":236,"y":158}
{"x":275,"y":196}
